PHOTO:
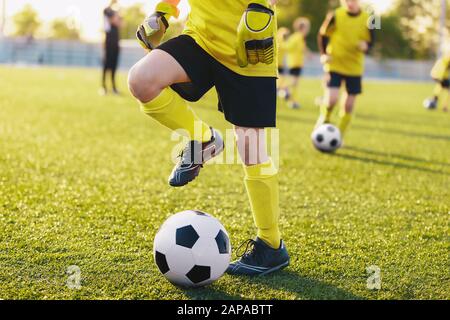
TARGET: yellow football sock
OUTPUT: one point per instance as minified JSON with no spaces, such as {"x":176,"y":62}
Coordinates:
{"x":325,"y":114}
{"x":170,"y":110}
{"x":437,"y":90}
{"x":261,"y":182}
{"x":344,"y":123}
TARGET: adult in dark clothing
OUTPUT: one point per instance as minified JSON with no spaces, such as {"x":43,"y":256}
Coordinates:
{"x":111,"y":53}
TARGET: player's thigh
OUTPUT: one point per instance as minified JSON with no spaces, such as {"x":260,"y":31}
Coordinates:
{"x":333,"y":84}
{"x":159,"y":69}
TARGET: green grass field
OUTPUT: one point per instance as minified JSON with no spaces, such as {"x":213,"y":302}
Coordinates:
{"x":83,"y":182}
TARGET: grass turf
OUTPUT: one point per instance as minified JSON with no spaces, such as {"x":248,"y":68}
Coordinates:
{"x":83,"y":182}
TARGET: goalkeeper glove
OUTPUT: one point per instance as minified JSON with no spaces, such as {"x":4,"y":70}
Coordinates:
{"x":256,"y":33}
{"x":151,"y":32}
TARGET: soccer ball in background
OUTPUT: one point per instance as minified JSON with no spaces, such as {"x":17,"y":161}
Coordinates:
{"x":327,"y":138}
{"x":284,"y":94}
{"x":430,"y":104}
{"x":192,"y":249}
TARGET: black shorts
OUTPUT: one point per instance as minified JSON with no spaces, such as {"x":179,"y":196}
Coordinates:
{"x":352,"y":84}
{"x":444,"y":83}
{"x":245,"y":101}
{"x":296,"y":72}
{"x":111,"y":58}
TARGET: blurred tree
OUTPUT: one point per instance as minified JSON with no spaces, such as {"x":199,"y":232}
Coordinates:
{"x":26,"y":21}
{"x":390,"y":41}
{"x":60,"y":29}
{"x":132,"y":16}
{"x":420,"y":24}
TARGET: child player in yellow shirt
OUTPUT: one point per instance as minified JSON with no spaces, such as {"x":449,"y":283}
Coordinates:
{"x":229,"y":45}
{"x":441,"y":74}
{"x":282,"y":36}
{"x":344,"y":40}
{"x":296,"y":51}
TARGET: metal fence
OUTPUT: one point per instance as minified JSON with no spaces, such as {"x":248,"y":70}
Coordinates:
{"x":25,"y":51}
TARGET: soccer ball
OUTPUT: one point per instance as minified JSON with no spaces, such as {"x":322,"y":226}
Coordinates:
{"x":327,"y":138}
{"x":430,"y":104}
{"x":284,"y":94}
{"x":192,"y":249}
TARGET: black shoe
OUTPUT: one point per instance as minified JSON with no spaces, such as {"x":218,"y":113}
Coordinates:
{"x":193,"y":157}
{"x":260,"y":259}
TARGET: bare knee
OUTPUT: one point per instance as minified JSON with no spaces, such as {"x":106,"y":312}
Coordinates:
{"x":143,"y":84}
{"x":251,"y":143}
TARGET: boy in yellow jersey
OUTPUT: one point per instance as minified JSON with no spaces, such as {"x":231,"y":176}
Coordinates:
{"x":296,"y":51}
{"x":441,"y":74}
{"x":344,"y":39}
{"x":229,"y":45}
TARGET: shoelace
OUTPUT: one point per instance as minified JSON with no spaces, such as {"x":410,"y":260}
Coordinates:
{"x":186,"y":155}
{"x":249,"y":248}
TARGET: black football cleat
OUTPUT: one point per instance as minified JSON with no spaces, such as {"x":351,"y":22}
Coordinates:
{"x":193,"y":157}
{"x":260,"y":259}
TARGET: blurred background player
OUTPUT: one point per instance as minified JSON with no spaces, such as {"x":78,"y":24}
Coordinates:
{"x":296,"y":51}
{"x":112,"y":23}
{"x":344,"y":39}
{"x":440,"y":73}
{"x":282,"y":35}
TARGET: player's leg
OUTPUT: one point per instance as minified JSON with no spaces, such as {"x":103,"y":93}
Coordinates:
{"x":354,"y":88}
{"x":268,"y":252}
{"x":346,"y":112}
{"x":249,"y":103}
{"x":331,"y":98}
{"x":446,"y":106}
{"x":114,"y":71}
{"x":104,"y":90}
{"x":437,"y":92}
{"x":293,"y":99}
{"x":261,"y":180}
{"x":149,"y":82}
{"x":446,"y":98}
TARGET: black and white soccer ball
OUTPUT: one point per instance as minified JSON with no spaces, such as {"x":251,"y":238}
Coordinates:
{"x":284,"y":94}
{"x":327,"y":138}
{"x":430,"y":104}
{"x":192,"y":249}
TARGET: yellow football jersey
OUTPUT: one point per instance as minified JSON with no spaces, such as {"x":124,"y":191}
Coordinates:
{"x":213,"y":25}
{"x":345,"y":37}
{"x":441,"y":69}
{"x":295,"y":48}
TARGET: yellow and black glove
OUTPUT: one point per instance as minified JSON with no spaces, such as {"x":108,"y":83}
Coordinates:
{"x":152,"y":30}
{"x":256,"y":34}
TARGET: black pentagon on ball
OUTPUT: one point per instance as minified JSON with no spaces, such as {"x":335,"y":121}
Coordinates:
{"x":320,"y":138}
{"x":334,"y":143}
{"x":186,"y":237}
{"x":223,"y":242}
{"x":199,"y":274}
{"x":161,"y":262}
{"x":199,"y":213}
